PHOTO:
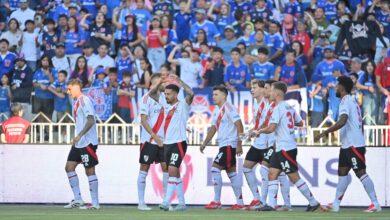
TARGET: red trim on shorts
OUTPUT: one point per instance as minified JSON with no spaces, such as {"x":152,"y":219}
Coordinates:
{"x":355,"y":151}
{"x":142,"y":145}
{"x":228,"y":156}
{"x":92,"y":153}
{"x":180,"y":146}
{"x":285,"y":154}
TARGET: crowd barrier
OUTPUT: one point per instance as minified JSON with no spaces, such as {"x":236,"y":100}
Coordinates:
{"x":35,"y":174}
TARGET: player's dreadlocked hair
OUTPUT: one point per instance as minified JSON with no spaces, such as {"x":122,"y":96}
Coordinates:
{"x":346,"y":82}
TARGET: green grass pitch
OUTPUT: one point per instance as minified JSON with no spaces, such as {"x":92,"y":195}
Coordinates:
{"x":56,"y":212}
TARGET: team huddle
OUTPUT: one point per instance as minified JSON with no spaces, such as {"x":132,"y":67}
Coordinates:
{"x":164,"y":114}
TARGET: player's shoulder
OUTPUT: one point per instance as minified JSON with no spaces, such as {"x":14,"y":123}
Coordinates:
{"x":145,"y":98}
{"x":230,"y":107}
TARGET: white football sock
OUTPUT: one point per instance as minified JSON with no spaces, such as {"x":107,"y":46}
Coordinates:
{"x":180,"y":191}
{"x":273,"y":186}
{"x":264,"y":183}
{"x":217,"y":179}
{"x":93,"y":187}
{"x":141,"y":184}
{"x":74,"y":184}
{"x":370,"y":189}
{"x":236,"y":187}
{"x":285,"y":189}
{"x":342,"y":186}
{"x":171,"y":187}
{"x":304,"y":189}
{"x":165,"y":181}
{"x":252,"y":182}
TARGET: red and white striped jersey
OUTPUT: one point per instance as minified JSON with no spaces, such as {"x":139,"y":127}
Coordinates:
{"x":223,"y":119}
{"x":155,"y":113}
{"x":259,"y":115}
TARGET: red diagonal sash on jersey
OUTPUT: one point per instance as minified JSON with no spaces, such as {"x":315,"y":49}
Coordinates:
{"x":168,"y":119}
{"x":269,"y":113}
{"x":258,"y":115}
{"x":220,"y":116}
{"x":158,"y":124}
{"x":76,"y":107}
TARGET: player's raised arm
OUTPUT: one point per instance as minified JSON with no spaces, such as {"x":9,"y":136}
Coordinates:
{"x":189,"y":92}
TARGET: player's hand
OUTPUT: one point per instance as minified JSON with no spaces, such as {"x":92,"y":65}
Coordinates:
{"x":158,"y":140}
{"x":319,"y":137}
{"x":61,"y":95}
{"x":76,"y":139}
{"x":201,"y":148}
{"x":239,"y":150}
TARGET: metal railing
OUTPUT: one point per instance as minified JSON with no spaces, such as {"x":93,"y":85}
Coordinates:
{"x":117,"y":131}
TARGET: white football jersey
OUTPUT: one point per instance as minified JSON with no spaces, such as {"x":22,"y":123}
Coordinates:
{"x":224,"y":119}
{"x":352,"y":132}
{"x":175,"y":125}
{"x":82,"y":108}
{"x":259,"y":112}
{"x":267,"y":118}
{"x":285,"y":117}
{"x":155,"y":112}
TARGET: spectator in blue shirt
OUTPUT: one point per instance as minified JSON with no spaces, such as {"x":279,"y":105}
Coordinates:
{"x":293,"y":8}
{"x":182,"y":20}
{"x":124,"y":62}
{"x":291,"y":72}
{"x":111,"y":87}
{"x":316,"y":95}
{"x":5,"y":98}
{"x":162,"y":7}
{"x":167,"y":25}
{"x":130,"y":33}
{"x":100,"y":75}
{"x":330,"y":69}
{"x":261,"y":11}
{"x":59,"y":89}
{"x":223,"y":19}
{"x":42,"y":79}
{"x":49,"y":38}
{"x":62,"y":9}
{"x":276,"y":43}
{"x":142,"y":16}
{"x":74,"y":40}
{"x":228,"y":43}
{"x":262,"y":69}
{"x":237,"y":73}
{"x":7,"y":59}
{"x":208,"y":26}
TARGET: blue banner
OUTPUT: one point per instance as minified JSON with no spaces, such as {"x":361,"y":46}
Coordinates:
{"x":101,"y":102}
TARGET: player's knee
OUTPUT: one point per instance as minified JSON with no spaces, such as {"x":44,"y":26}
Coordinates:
{"x":90,"y":171}
{"x":144,"y":167}
{"x":360,"y":173}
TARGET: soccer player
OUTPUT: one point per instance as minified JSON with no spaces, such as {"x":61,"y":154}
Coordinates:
{"x":282,"y":122}
{"x":352,"y":152}
{"x":151,"y":149}
{"x":227,"y":122}
{"x":265,"y":163}
{"x":257,"y":150}
{"x":175,"y":139}
{"x":84,"y":147}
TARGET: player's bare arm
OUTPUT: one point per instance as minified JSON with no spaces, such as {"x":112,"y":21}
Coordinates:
{"x":145,"y":124}
{"x":240,"y":131}
{"x":190,"y":93}
{"x":267,"y":130}
{"x":88,"y":125}
{"x":299,"y":124}
{"x":339,"y":124}
{"x":210,"y":134}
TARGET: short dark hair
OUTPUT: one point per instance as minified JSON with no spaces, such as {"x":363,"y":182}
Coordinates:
{"x":113,"y":70}
{"x":126,"y":74}
{"x":270,"y":81}
{"x":16,"y":108}
{"x":63,"y":72}
{"x":4,"y":41}
{"x":49,"y":21}
{"x":281,"y":86}
{"x":173,"y":87}
{"x":218,"y":50}
{"x":346,"y":82}
{"x":291,"y":51}
{"x":155,"y":75}
{"x":235,"y":49}
{"x":221,"y":88}
{"x":28,"y":21}
{"x":260,"y":83}
{"x":263,"y":50}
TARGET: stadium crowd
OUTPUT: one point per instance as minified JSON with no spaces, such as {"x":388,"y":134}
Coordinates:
{"x":117,"y":45}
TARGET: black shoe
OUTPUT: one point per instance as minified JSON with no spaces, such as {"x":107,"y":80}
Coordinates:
{"x":266,"y":208}
{"x":312,"y":208}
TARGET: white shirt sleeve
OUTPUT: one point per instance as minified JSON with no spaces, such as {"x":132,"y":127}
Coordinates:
{"x":233,"y":114}
{"x":275,"y":117}
{"x":88,"y":108}
{"x":343,"y":109}
{"x":144,"y":106}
